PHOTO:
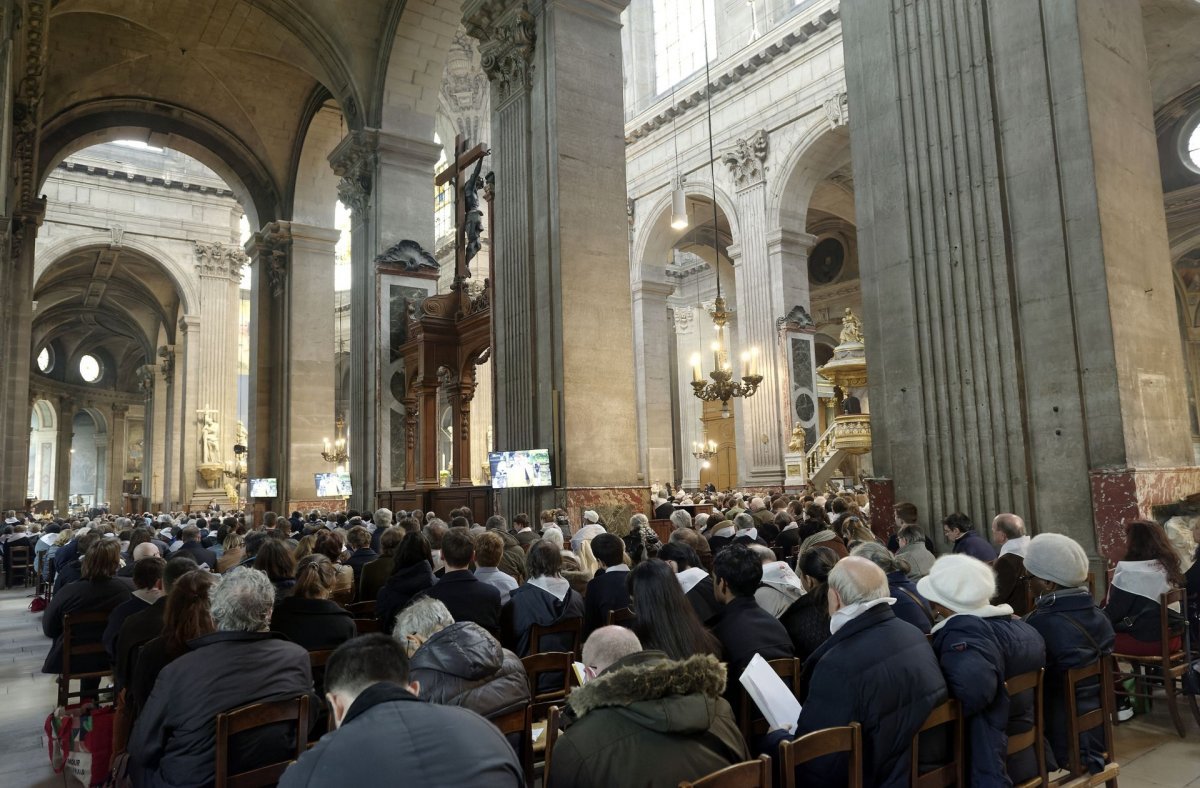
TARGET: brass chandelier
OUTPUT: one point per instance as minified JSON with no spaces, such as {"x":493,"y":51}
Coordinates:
{"x":722,"y":387}
{"x":336,"y":452}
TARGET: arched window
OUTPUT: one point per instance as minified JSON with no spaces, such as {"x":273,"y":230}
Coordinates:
{"x":679,"y":40}
{"x":45,"y":360}
{"x":89,"y":368}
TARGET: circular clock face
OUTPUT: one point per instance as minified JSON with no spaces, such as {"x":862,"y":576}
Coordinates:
{"x":825,"y":261}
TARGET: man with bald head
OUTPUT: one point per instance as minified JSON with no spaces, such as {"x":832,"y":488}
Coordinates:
{"x":1008,"y":532}
{"x":875,"y":670}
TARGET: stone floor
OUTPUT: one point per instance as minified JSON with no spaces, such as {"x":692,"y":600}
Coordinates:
{"x":1150,"y":753}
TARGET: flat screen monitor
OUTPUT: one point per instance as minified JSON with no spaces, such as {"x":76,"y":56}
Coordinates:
{"x":264,"y":488}
{"x":333,"y":485}
{"x":530,"y":468}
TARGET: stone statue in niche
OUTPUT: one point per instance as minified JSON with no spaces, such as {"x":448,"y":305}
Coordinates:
{"x":851,"y":328}
{"x":210,"y":441}
{"x":796,"y":444}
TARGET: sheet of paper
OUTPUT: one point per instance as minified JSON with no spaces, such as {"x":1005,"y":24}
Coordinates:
{"x":538,"y":730}
{"x":772,"y":696}
{"x":580,"y":673}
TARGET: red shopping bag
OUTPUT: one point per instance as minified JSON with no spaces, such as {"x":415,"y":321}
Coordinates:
{"x":79,"y":738}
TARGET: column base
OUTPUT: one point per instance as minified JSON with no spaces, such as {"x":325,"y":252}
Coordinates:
{"x":763,"y":478}
{"x":794,"y":477}
{"x":1123,"y":494}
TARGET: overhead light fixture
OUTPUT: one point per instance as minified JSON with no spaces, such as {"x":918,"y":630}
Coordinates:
{"x":679,"y":215}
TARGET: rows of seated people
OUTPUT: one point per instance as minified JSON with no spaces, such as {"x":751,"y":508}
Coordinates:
{"x":205,"y":617}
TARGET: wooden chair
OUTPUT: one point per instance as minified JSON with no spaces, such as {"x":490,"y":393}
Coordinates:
{"x":748,"y":774}
{"x":552,"y":663}
{"x":362,"y":609}
{"x":847,"y":739}
{"x":952,"y":772}
{"x":551,"y":736}
{"x":19,"y":565}
{"x":1034,"y":737}
{"x":259,"y":715}
{"x":520,"y":722}
{"x":365,"y":626}
{"x":750,"y":719}
{"x":567,"y":626}
{"x":76,"y":647}
{"x":621,"y":618}
{"x":1077,"y":724}
{"x":1167,"y":669}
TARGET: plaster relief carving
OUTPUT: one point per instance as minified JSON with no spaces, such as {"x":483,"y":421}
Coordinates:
{"x":220,"y":260}
{"x":837,"y":109}
{"x":747,"y":159}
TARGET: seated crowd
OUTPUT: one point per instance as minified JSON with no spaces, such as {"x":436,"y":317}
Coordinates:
{"x":205,"y":616}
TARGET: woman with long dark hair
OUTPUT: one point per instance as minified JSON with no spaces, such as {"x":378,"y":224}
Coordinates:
{"x":186,"y":617}
{"x":807,"y":620}
{"x":666,"y":621}
{"x":411,"y":574}
{"x":275,"y":560}
{"x":1149,"y":569}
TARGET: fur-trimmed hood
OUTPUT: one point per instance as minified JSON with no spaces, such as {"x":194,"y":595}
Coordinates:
{"x":655,"y":691}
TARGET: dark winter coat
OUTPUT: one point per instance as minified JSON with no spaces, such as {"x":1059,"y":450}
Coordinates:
{"x":463,"y":665}
{"x":977,"y":656}
{"x":606,"y":592}
{"x":138,"y":630}
{"x":847,"y":681}
{"x":1137,"y":616}
{"x":131,"y":606}
{"x":910,"y":606}
{"x":391,"y":737}
{"x":1011,"y":583}
{"x":172,"y":741}
{"x":807,"y":623}
{"x":745,"y":629}
{"x":1077,"y":634}
{"x":82,"y":596}
{"x":648,"y":721}
{"x":359,"y":559}
{"x":469,"y":599}
{"x":199,"y":553}
{"x":313,"y":624}
{"x":704,"y":600}
{"x":529,"y":605}
{"x":400,"y":589}
{"x":974,"y":545}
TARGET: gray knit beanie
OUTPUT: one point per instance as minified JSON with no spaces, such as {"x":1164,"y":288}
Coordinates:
{"x":1057,"y":558}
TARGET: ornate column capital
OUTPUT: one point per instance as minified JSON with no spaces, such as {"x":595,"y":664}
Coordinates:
{"x":219,"y":261}
{"x":166,"y":362}
{"x":119,"y":409}
{"x":683,"y":318}
{"x":507,"y":35}
{"x":354,"y":160}
{"x":145,"y":376}
{"x":269,"y":248}
{"x":747,"y":159}
{"x":837,"y":109}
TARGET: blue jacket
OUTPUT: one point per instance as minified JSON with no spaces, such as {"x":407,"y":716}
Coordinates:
{"x":977,"y":655}
{"x":1077,"y":634}
{"x":910,"y":606}
{"x":848,"y":681}
{"x":974,"y":545}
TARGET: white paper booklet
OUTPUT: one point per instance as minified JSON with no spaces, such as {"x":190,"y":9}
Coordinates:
{"x":773,"y":698}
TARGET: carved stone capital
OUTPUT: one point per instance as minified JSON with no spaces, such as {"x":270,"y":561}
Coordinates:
{"x":270,"y":247}
{"x":353,"y":160}
{"x":837,"y":109}
{"x":119,"y":409}
{"x":166,"y":361}
{"x":218,"y":260}
{"x":145,"y":376}
{"x":507,"y":35}
{"x":684,"y":318}
{"x":24,"y":228}
{"x":747,"y":159}
{"x":27,"y":100}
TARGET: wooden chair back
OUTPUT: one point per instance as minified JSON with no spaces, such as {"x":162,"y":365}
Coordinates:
{"x":318,"y":659}
{"x":19,"y":563}
{"x":362,"y":609}
{"x":366,"y":626}
{"x":1034,"y":738}
{"x":1100,"y":717}
{"x":556,"y":664}
{"x":748,"y":774}
{"x":847,"y":739}
{"x":553,"y":720}
{"x":259,"y":715}
{"x":952,"y":772}
{"x":1168,"y":668}
{"x":520,"y":722}
{"x":76,"y":647}
{"x":750,"y":719}
{"x":567,"y":626}
{"x":622,"y":618}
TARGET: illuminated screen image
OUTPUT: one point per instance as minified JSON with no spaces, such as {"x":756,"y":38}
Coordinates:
{"x":333,"y":485}
{"x":520,"y":468}
{"x":264,"y":488}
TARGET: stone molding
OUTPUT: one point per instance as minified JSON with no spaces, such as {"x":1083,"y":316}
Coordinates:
{"x":353,"y":161}
{"x":219,"y":261}
{"x":69,"y":398}
{"x":26,"y":110}
{"x":137,"y":177}
{"x":507,"y":36}
{"x":270,"y":247}
{"x":747,"y":159}
{"x":683,"y":318}
{"x":837,"y":109}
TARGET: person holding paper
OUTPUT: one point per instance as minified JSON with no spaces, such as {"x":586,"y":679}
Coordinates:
{"x":875,"y":670}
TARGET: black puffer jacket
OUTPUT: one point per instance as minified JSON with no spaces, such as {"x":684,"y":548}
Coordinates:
{"x":463,"y":665}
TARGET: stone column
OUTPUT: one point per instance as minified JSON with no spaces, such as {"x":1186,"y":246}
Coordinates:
{"x":219,"y":267}
{"x":308,"y":379}
{"x":62,"y":454}
{"x":148,"y":381}
{"x":187,"y":373}
{"x":386,"y":182}
{"x":117,"y":444}
{"x":267,"y":250}
{"x":561,"y":252}
{"x":689,"y":323}
{"x":1020,"y":315}
{"x":102,"y":450}
{"x":652,"y":325}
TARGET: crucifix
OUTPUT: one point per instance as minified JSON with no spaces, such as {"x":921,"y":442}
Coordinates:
{"x":468,"y":216}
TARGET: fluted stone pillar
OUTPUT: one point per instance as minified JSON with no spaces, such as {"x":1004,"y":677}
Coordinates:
{"x":562,"y":315}
{"x":188,"y":399}
{"x":267,"y":251}
{"x":385,"y":182}
{"x":219,"y":267}
{"x":652,"y":325}
{"x":62,"y":454}
{"x":118,"y":438}
{"x":686,"y":321}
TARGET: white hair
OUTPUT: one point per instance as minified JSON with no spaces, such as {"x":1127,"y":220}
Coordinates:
{"x":422,"y":618}
{"x":681,"y":519}
{"x":382,"y":518}
{"x":553,"y":535}
{"x":242,"y":601}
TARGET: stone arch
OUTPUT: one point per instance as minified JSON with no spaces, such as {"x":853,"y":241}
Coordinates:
{"x":654,"y":236}
{"x":820,"y":152}
{"x":185,"y":284}
{"x":161,"y":125}
{"x":412,"y":58}
{"x":46,"y":414}
{"x":314,"y":184}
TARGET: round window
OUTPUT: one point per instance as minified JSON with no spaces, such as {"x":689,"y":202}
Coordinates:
{"x":44,"y":360}
{"x":1193,"y":145}
{"x":825,"y":261}
{"x":89,"y":369}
